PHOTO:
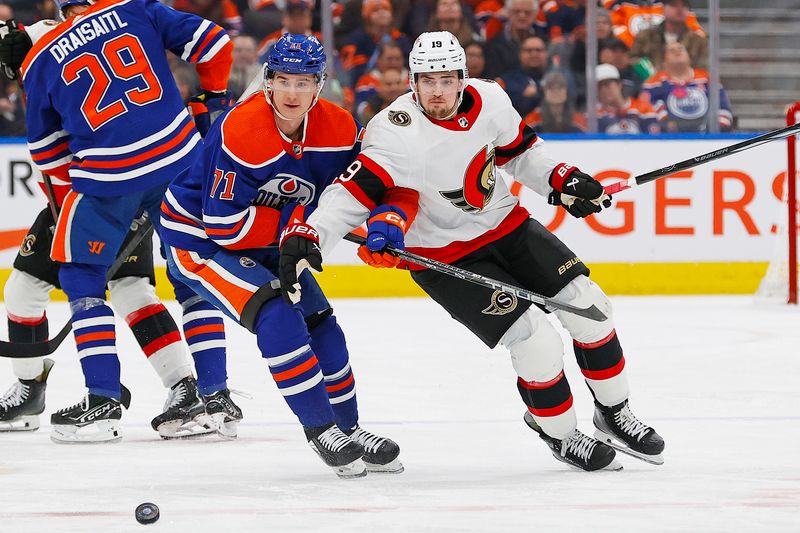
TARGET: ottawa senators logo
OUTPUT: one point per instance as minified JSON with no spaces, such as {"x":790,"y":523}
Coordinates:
{"x":502,"y":303}
{"x":27,"y":245}
{"x":479,"y":183}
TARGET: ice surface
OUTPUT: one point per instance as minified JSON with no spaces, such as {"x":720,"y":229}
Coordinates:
{"x":719,"y":378}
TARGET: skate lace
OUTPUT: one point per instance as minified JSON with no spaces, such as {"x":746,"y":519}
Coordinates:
{"x":579,"y":445}
{"x":83,"y":404}
{"x":369,"y":441}
{"x":631,"y":425}
{"x":333,"y":439}
{"x":14,"y":396}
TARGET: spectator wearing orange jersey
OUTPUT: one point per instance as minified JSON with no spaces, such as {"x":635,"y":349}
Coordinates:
{"x":222,"y":12}
{"x":390,"y":57}
{"x":650,"y":43}
{"x":360,"y":52}
{"x":557,"y":113}
{"x":561,"y":17}
{"x":682,"y":92}
{"x":392,"y":84}
{"x":449,"y":16}
{"x":490,"y":17}
{"x":296,"y":18}
{"x":630,"y":17}
{"x":617,"y":114}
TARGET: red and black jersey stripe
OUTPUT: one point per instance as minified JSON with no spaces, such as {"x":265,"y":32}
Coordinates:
{"x":367,"y":181}
{"x":524,"y":140}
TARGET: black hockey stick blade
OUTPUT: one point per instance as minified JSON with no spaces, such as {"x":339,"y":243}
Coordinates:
{"x":592,"y":312}
{"x":22,"y":350}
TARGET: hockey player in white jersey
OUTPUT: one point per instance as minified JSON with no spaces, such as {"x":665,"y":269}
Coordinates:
{"x":442,"y":142}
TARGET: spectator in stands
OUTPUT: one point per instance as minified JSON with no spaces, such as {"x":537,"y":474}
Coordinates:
{"x":450,"y":17}
{"x":296,"y":19}
{"x":476,"y":59}
{"x":682,"y":92}
{"x":630,"y":17}
{"x":617,"y":114}
{"x":502,"y":52}
{"x":390,"y":57}
{"x":12,"y":113}
{"x":245,"y":65}
{"x":392,"y":84}
{"x":350,"y":17}
{"x":557,"y":113}
{"x":523,"y":84}
{"x":222,"y":12}
{"x":261,"y":17}
{"x":360,"y":52}
{"x":490,"y":18}
{"x":45,"y":10}
{"x":6,"y":12}
{"x":561,"y":17}
{"x":647,"y":51}
{"x":614,"y":52}
{"x":577,"y":58}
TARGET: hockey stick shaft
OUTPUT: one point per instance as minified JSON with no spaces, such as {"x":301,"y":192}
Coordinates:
{"x":592,"y":313}
{"x":51,"y":196}
{"x":705,"y":158}
{"x":40,"y":349}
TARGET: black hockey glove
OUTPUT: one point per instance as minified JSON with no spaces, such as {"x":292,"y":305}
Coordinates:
{"x":299,"y":246}
{"x":577,"y":192}
{"x":14,"y":46}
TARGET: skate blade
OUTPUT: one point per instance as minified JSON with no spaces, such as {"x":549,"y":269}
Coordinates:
{"x":97,"y":432}
{"x":613,"y":466}
{"x":394,"y":467}
{"x":184,"y":430}
{"x":21,"y":423}
{"x":352,"y":470}
{"x":605,"y":438}
{"x":226,"y":430}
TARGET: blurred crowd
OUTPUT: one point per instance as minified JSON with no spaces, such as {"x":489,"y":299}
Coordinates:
{"x":651,"y":73}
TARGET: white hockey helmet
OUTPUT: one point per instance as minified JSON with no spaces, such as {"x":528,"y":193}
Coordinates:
{"x":437,"y":51}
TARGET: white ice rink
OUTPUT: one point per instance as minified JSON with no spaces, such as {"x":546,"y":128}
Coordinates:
{"x":718,"y":377}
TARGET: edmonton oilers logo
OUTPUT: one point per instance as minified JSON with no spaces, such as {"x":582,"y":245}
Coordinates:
{"x":246,"y":262}
{"x":285,"y":188}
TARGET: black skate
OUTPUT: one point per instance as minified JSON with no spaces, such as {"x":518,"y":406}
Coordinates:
{"x":93,"y":419}
{"x":184,"y":413}
{"x":380,"y":453}
{"x":578,"y":450}
{"x":22,"y":404}
{"x":337,"y":450}
{"x":618,"y":427}
{"x":223,"y":415}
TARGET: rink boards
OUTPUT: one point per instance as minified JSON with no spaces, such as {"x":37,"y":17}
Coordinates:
{"x":708,"y":230}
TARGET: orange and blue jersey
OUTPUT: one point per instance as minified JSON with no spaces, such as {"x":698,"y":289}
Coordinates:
{"x":232,"y":195}
{"x":629,"y":17}
{"x":103,"y":108}
{"x":686,"y":103}
{"x":560,"y":17}
{"x":635,"y":117}
{"x":360,"y":52}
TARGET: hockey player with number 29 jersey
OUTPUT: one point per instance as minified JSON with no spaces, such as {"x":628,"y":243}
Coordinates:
{"x":105,"y":115}
{"x":444,"y":141}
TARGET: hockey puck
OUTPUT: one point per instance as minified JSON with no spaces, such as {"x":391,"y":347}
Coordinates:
{"x":147,"y":513}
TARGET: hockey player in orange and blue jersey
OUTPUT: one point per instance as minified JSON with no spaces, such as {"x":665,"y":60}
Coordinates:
{"x":104,"y":113}
{"x":264,"y":162}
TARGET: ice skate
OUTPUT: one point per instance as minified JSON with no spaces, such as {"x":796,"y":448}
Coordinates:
{"x":22,"y":404}
{"x":618,"y":427}
{"x":380,"y":453}
{"x":223,"y":414}
{"x":93,"y":419}
{"x":578,"y":449}
{"x":184,"y":413}
{"x":338,"y":451}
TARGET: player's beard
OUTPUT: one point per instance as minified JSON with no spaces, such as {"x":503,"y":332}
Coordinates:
{"x":438,"y":110}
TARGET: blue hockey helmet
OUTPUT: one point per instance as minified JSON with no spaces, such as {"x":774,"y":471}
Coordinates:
{"x":61,"y":5}
{"x":296,"y":54}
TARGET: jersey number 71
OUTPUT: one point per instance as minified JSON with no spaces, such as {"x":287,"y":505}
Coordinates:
{"x":126,"y":60}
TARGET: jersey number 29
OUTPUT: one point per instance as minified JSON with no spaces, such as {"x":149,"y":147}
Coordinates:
{"x":126,"y":60}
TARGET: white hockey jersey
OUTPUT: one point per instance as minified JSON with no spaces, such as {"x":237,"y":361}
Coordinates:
{"x":451,"y":163}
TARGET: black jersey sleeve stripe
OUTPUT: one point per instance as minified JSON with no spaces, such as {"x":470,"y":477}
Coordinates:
{"x":523,"y":141}
{"x":367,"y":181}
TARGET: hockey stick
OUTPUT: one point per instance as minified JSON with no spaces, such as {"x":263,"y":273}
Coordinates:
{"x":699,"y":160}
{"x":592,"y":313}
{"x":19,"y":350}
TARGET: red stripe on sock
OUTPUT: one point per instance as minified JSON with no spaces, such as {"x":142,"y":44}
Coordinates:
{"x":596,"y":344}
{"x":296,"y":371}
{"x":599,"y":375}
{"x":97,"y":336}
{"x":343,"y":385}
{"x":208,"y":328}
{"x":146,"y":311}
{"x":164,"y":340}
{"x":537,"y":385}
{"x":553,"y":411}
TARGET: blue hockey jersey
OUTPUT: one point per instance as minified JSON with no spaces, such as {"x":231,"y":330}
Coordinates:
{"x":232,"y":195}
{"x":103,"y":107}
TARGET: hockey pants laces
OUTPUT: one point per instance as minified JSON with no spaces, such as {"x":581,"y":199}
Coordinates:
{"x":579,"y":444}
{"x":630,"y":424}
{"x":17,"y":394}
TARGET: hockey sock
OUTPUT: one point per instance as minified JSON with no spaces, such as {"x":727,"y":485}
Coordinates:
{"x":327,"y":341}
{"x":93,"y":326}
{"x":205,"y":335}
{"x":603,"y":366}
{"x":160,"y":340}
{"x":28,"y":330}
{"x":550,"y":403}
{"x":285,"y":343}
